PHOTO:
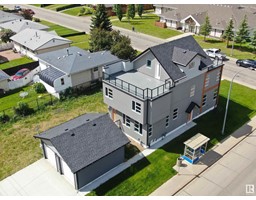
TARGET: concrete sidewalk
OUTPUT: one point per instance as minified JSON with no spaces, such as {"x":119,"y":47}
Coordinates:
{"x":187,"y":173}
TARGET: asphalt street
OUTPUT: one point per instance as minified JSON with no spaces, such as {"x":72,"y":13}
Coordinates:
{"x":139,"y":41}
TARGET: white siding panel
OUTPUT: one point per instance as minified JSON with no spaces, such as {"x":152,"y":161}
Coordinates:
{"x":50,"y":155}
{"x":67,"y":172}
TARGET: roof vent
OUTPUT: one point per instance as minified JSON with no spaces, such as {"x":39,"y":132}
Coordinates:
{"x":66,"y":129}
{"x":79,"y":53}
{"x":20,"y":20}
{"x":58,"y":58}
{"x":94,"y":125}
{"x":89,"y":57}
{"x":68,"y":51}
{"x":73,"y":134}
{"x":53,"y":40}
{"x":185,"y":51}
{"x":27,"y":23}
{"x":88,"y":120}
{"x":36,"y":34}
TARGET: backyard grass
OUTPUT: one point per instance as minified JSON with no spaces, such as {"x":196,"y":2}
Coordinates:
{"x":146,"y":25}
{"x":81,"y":41}
{"x":16,"y":62}
{"x":18,"y":148}
{"x":143,"y":177}
{"x":244,"y":53}
{"x":60,"y":30}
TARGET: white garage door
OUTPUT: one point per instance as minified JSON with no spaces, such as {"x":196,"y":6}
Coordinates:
{"x":67,"y":172}
{"x":50,"y":155}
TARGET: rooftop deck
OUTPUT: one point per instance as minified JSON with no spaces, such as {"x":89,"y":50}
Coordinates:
{"x":138,"y":84}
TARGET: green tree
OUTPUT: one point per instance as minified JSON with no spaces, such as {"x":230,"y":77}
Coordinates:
{"x":119,"y":12}
{"x":253,"y":41}
{"x":100,"y":40}
{"x":100,"y":19}
{"x":114,"y":8}
{"x":243,"y":32}
{"x":130,"y":11}
{"x":206,"y":27}
{"x":122,"y":46}
{"x":229,"y":33}
{"x":26,"y":13}
{"x":6,"y":34}
{"x":140,"y":10}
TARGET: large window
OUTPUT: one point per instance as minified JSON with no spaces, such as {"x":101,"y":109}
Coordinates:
{"x":108,"y":93}
{"x":62,"y":81}
{"x":204,"y":100}
{"x":126,"y":120}
{"x":136,"y":107}
{"x":215,"y":94}
{"x":175,"y":113}
{"x":218,"y":77}
{"x":138,"y":127}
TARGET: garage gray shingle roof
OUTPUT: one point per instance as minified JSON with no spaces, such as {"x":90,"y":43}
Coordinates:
{"x":73,"y":59}
{"x":164,"y":54}
{"x":85,"y":142}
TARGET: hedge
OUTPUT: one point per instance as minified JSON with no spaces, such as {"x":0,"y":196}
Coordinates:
{"x":73,"y":34}
{"x":67,"y":6}
{"x":44,"y":5}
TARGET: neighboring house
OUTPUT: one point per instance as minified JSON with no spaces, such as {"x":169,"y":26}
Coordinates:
{"x":21,"y":24}
{"x":72,"y":67}
{"x":189,"y":17}
{"x":31,"y":42}
{"x":84,"y":148}
{"x":162,"y":89}
{"x":4,"y":81}
{"x":6,"y":17}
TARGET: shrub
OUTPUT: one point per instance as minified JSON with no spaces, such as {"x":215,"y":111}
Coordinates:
{"x":66,"y":94}
{"x":4,"y":118}
{"x":36,"y":19}
{"x":67,"y":6}
{"x":39,"y":88}
{"x":82,"y":10}
{"x":23,"y":109}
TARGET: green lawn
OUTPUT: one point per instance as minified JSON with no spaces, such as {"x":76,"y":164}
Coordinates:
{"x":54,"y":6}
{"x":143,"y":177}
{"x":75,"y":11}
{"x":18,"y":148}
{"x":60,"y":30}
{"x":15,"y":62}
{"x":81,"y":41}
{"x":146,"y":25}
{"x":244,"y":53}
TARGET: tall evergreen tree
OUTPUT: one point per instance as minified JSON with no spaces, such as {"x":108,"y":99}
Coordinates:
{"x":100,"y":19}
{"x":130,"y":11}
{"x":140,"y":10}
{"x":253,"y":41}
{"x":229,"y":33}
{"x":100,"y":40}
{"x":243,"y":32}
{"x":206,"y":27}
{"x":119,"y":12}
{"x":5,"y":35}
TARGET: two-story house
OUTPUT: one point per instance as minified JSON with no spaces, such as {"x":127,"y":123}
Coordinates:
{"x":162,"y":89}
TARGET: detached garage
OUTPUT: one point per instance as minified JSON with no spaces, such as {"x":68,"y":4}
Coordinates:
{"x":84,"y":148}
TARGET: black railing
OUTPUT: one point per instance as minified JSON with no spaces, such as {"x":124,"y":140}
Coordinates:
{"x":146,"y":93}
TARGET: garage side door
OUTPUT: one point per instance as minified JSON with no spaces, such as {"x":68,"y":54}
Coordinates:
{"x":67,"y":172}
{"x":50,"y":155}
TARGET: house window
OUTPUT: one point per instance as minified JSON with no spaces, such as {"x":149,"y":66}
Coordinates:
{"x":167,"y":119}
{"x":175,"y":113}
{"x":218,"y":77}
{"x":215,"y":94}
{"x":192,"y":90}
{"x":109,"y":93}
{"x":137,"y":127}
{"x":191,"y":65}
{"x":136,"y":107}
{"x":204,"y":100}
{"x":149,"y":63}
{"x":62,"y":81}
{"x":126,"y":120}
{"x":207,"y":80}
{"x":95,"y":69}
{"x":150,"y":128}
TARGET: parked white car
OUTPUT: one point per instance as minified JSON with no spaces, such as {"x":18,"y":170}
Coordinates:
{"x":215,"y":53}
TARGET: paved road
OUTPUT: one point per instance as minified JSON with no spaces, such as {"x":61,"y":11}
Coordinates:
{"x":230,"y":175}
{"x":139,"y":41}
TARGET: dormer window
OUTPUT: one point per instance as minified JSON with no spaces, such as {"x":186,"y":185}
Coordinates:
{"x":149,"y":63}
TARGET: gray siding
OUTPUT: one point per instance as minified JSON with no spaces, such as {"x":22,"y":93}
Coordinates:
{"x":100,"y":167}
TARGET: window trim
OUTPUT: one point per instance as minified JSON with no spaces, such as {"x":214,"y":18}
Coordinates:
{"x":109,"y":93}
{"x":136,"y":107}
{"x":149,"y":63}
{"x":204,"y":100}
{"x":139,"y":128}
{"x":126,"y":121}
{"x":167,"y":121}
{"x":192,"y":90}
{"x":215,"y":94}
{"x":150,"y":130}
{"x":62,"y":82}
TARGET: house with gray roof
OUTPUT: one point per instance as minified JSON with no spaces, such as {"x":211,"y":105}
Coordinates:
{"x":4,"y":81}
{"x":84,"y":148}
{"x":189,"y":17}
{"x":7,"y":17}
{"x":72,"y":67}
{"x":164,"y":88}
{"x":20,"y":24}
{"x":32,"y":42}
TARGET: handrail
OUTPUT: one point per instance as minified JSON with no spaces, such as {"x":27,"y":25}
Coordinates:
{"x":146,"y":93}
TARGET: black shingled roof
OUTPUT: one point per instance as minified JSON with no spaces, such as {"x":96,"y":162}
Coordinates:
{"x":164,"y":52}
{"x":84,"y":144}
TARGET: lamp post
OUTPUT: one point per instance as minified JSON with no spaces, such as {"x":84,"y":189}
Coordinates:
{"x":229,"y":92}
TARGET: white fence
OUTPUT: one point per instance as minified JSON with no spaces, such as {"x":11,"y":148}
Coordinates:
{"x":6,"y":46}
{"x":23,"y":81}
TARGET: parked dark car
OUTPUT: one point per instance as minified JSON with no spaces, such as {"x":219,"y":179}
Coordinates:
{"x":247,"y":63}
{"x":20,"y":74}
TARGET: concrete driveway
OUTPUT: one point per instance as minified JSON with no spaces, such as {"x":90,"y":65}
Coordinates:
{"x":38,"y":179}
